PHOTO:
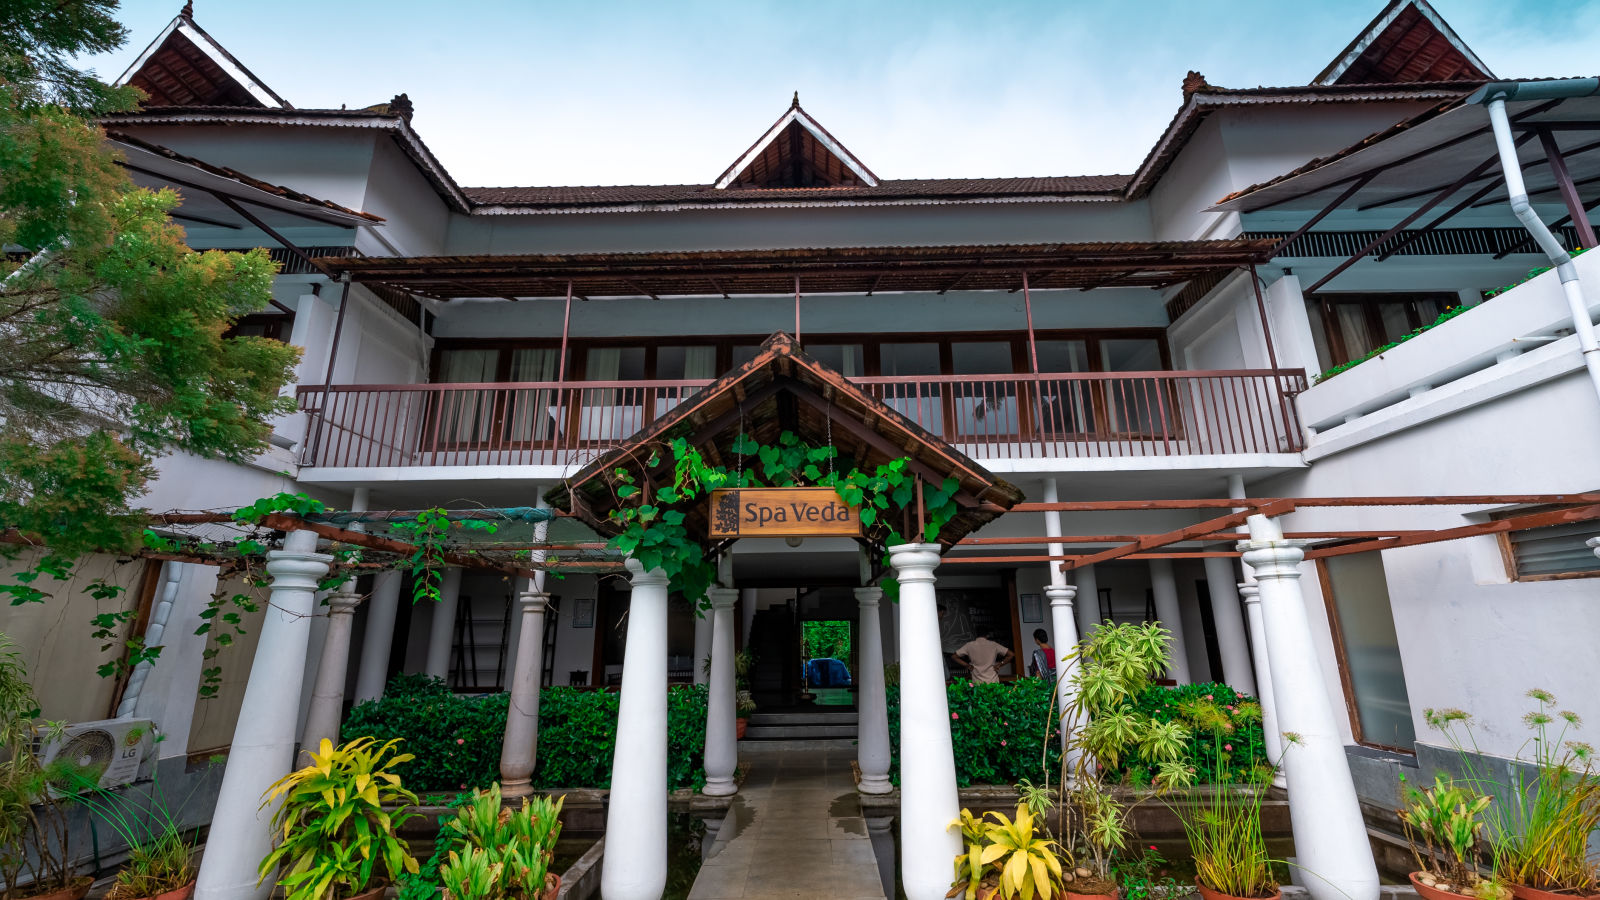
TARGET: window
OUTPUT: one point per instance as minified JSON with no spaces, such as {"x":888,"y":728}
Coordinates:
{"x":1357,"y":596}
{"x":1552,"y":552}
{"x":271,"y":326}
{"x":1349,"y":326}
{"x":846,"y":359}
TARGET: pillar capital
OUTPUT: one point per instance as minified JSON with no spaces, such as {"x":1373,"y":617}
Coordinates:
{"x":868,"y":596}
{"x":722,"y":597}
{"x":914,"y":562}
{"x":641,"y":576}
{"x":533,"y":601}
{"x":1250,"y":592}
{"x":1594,"y":544}
{"x":1062,"y":594}
{"x":343,"y":602}
{"x":298,"y":565}
{"x":1273,"y":558}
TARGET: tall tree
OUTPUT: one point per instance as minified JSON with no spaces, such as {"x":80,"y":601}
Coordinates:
{"x":112,"y":347}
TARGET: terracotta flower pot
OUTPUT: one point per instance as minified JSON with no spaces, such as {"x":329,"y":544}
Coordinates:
{"x":373,"y":892}
{"x":739,"y":725}
{"x":552,"y":888}
{"x":1073,"y":895}
{"x":1523,"y":892}
{"x":1433,"y":893}
{"x":73,"y":891}
{"x":182,"y":893}
{"x":1209,"y":894}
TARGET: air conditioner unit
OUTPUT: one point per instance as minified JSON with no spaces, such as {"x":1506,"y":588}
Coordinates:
{"x":107,"y":753}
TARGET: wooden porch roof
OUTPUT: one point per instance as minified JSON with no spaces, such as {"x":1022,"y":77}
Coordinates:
{"x":780,"y":390}
{"x":820,"y":270}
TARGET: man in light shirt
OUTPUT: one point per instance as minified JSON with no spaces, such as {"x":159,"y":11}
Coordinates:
{"x":982,"y":659}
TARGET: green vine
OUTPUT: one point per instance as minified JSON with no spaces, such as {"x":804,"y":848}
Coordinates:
{"x":427,"y":533}
{"x":652,"y":524}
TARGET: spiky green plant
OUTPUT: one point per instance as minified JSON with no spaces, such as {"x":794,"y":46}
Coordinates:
{"x":1223,"y":825}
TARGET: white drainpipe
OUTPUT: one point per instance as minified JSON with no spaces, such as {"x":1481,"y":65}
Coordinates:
{"x":1494,"y":97}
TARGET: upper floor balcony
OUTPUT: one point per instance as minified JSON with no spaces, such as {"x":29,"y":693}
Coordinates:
{"x":991,"y":418}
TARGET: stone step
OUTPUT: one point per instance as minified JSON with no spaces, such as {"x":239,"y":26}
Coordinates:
{"x":798,"y":732}
{"x":803,"y":718}
{"x":816,"y":744}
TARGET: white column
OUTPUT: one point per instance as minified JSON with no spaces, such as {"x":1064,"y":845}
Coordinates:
{"x":1272,"y":736}
{"x":442,"y":628}
{"x":263,"y":741}
{"x":1594,"y":544}
{"x":1064,"y":623}
{"x":1330,"y":837}
{"x":327,"y":692}
{"x":722,"y":739}
{"x":872,"y":730}
{"x":1232,"y":640}
{"x":1087,"y":601}
{"x":749,"y":597}
{"x":381,"y":609}
{"x":702,"y":644}
{"x":519,"y":750}
{"x":636,"y":821}
{"x":928,"y":798}
{"x":1165,"y":589}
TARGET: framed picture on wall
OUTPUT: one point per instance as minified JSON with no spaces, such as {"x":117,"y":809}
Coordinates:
{"x":1032,"y":609}
{"x":583,"y":613}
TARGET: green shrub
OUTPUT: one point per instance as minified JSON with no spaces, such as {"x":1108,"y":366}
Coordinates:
{"x":1019,"y":712}
{"x":1240,"y":753}
{"x":456,"y":738}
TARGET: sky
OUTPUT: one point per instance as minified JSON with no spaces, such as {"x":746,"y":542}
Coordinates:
{"x":670,"y":92}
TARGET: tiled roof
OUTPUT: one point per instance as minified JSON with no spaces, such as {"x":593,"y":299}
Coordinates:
{"x":902,"y":189}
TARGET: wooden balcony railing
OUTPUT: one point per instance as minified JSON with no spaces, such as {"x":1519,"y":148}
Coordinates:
{"x":1074,"y":415}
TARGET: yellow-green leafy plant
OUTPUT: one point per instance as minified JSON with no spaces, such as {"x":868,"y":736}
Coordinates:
{"x":1223,"y":824}
{"x":499,"y":853}
{"x":335,"y":829}
{"x":1104,"y":726}
{"x":1006,"y":859}
{"x":1443,"y":825}
{"x":1546,"y":811}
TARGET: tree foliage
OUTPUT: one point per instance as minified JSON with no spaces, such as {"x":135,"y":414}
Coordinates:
{"x":113,"y":327}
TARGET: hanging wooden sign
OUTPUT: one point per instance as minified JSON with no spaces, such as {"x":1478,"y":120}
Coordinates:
{"x":782,"y":512}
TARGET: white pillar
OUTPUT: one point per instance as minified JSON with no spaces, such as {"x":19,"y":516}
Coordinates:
{"x":1331,"y":844}
{"x":1271,"y":736}
{"x":872,"y":730}
{"x":519,"y":751}
{"x":381,"y":609}
{"x":722,"y":739}
{"x":928,"y":798}
{"x":263,"y":740}
{"x":1594,"y":544}
{"x":702,"y":644}
{"x":1087,"y":601}
{"x":327,"y":692}
{"x":1165,"y":589}
{"x":1232,"y":640}
{"x":442,"y":628}
{"x":1066,"y":637}
{"x":636,"y":821}
{"x":749,"y":597}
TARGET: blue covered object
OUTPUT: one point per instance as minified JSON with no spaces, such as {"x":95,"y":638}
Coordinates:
{"x":827,"y":672}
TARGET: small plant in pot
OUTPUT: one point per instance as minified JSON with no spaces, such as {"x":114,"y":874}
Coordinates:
{"x":1223,"y":824}
{"x":494,"y":852}
{"x":1104,"y":727}
{"x":1443,"y":824}
{"x":33,"y":828}
{"x":160,"y":858}
{"x":335,"y":829}
{"x":1005,"y":859}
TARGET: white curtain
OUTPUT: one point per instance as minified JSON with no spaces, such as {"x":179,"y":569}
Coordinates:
{"x":529,"y":410}
{"x":601,"y":417}
{"x":466,"y":416}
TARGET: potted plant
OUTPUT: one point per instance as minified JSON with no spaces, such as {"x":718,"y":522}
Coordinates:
{"x":744,"y":702}
{"x":1443,"y":824}
{"x":33,"y":831}
{"x":1006,"y":859}
{"x":160,"y":858}
{"x":1223,"y":824}
{"x":498,"y":853}
{"x":1103,"y":728}
{"x":1540,"y":825}
{"x":335,"y":839}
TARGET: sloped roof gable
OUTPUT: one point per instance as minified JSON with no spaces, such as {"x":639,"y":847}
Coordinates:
{"x":1408,"y":42}
{"x":797,"y":152}
{"x":185,"y":66}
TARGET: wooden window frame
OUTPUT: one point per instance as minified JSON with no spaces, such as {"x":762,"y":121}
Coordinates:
{"x":1508,"y":555}
{"x":1370,"y":301}
{"x":1331,"y":608}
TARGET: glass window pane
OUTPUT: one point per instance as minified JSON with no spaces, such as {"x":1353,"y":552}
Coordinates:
{"x":1056,"y":357}
{"x":1130,"y":355}
{"x":1395,"y":321}
{"x":686,"y":363}
{"x":615,"y":364}
{"x":981,"y":358}
{"x":909,"y":359}
{"x":468,"y":365}
{"x":745,"y":353}
{"x":1371,"y":650}
{"x":846,"y":359}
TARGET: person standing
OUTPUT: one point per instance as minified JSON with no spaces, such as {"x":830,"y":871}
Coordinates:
{"x":1043,"y":662}
{"x":982,"y":658}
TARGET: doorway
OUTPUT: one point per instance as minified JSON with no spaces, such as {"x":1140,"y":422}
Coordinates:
{"x":827,"y":661}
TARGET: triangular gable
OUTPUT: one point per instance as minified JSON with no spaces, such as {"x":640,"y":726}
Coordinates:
{"x":797,"y":152}
{"x":185,"y":66}
{"x":1408,"y":42}
{"x":782,"y":389}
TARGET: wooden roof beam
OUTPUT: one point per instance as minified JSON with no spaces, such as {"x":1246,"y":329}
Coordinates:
{"x":1154,"y":541}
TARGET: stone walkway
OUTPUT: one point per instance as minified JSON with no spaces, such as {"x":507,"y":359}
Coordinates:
{"x":794,"y":830}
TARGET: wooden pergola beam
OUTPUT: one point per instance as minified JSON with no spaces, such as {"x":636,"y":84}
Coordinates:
{"x":1227,"y":503}
{"x":1511,"y":523}
{"x":1153,"y":541}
